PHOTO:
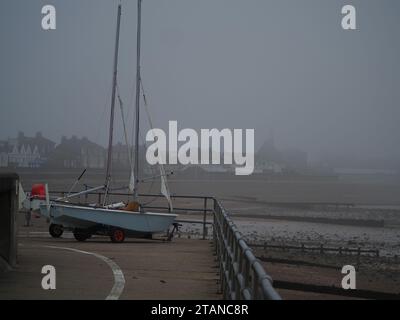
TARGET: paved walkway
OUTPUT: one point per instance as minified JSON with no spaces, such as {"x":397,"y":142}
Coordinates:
{"x":99,"y":269}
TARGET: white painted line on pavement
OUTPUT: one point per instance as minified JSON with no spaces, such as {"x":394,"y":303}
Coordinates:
{"x":119,"y":279}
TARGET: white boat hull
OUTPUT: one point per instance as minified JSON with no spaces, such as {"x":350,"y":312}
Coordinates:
{"x":82,"y":217}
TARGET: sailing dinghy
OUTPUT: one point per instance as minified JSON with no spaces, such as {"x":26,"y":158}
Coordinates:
{"x":115,"y":220}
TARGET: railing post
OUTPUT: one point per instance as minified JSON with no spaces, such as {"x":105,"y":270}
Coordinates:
{"x":205,"y":218}
{"x":254,"y":287}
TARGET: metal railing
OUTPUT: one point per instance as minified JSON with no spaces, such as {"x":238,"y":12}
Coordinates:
{"x":242,"y":276}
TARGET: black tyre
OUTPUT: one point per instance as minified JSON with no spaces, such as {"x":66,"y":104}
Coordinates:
{"x":148,"y":236}
{"x":56,"y":230}
{"x":81,"y":235}
{"x":117,"y":235}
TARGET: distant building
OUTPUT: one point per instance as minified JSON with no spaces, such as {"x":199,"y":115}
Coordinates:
{"x":269,"y":152}
{"x":78,"y":153}
{"x":268,"y":167}
{"x":120,"y":156}
{"x":295,"y":159}
{"x":29,"y":152}
{"x":5,"y":149}
{"x":271,"y":160}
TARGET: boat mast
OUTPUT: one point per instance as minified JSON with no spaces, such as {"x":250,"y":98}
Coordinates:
{"x":114,"y":87}
{"x":137,"y":105}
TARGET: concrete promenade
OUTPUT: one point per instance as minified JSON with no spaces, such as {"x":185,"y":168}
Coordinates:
{"x":99,"y":269}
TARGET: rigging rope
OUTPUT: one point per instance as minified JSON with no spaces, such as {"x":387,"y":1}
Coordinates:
{"x":132,"y":178}
{"x":130,"y":152}
{"x":164,"y":182}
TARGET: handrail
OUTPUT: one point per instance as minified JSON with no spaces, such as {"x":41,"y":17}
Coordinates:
{"x":242,"y":276}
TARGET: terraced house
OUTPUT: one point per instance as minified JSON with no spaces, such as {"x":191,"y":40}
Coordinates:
{"x":77,"y":153}
{"x":28,"y":152}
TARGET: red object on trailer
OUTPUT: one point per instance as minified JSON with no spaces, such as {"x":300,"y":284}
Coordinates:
{"x":38,"y":191}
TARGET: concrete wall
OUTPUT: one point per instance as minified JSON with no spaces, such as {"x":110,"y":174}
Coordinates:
{"x":8,"y":219}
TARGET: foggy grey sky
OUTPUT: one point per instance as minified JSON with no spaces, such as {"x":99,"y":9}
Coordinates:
{"x":273,"y":65}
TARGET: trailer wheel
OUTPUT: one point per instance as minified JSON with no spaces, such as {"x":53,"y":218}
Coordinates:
{"x":117,"y":235}
{"x":56,"y":230}
{"x":81,"y":235}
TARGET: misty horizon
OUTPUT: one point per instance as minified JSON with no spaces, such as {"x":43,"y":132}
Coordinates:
{"x":285,"y":69}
